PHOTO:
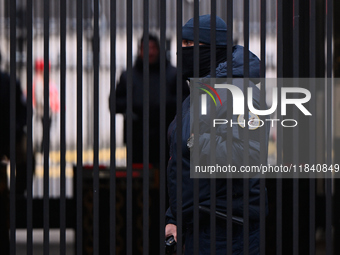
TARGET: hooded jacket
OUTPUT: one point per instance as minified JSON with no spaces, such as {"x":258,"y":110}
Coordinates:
{"x":204,"y":143}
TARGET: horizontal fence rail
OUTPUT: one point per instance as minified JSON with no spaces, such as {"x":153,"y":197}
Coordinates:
{"x":102,"y":135}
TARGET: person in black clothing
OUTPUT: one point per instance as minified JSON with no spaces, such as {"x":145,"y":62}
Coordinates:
{"x":154,"y":120}
{"x":5,"y":151}
{"x":20,"y":127}
{"x":204,"y":140}
{"x":154,"y":100}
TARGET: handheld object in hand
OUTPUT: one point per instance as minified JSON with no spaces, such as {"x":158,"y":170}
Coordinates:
{"x":170,"y":245}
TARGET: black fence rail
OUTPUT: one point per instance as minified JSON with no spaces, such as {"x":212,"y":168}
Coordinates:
{"x":120,"y":208}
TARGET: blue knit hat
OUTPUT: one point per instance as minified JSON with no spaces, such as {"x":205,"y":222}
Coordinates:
{"x":204,"y":30}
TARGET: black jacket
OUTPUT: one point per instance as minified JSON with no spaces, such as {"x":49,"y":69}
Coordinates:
{"x":20,"y":104}
{"x":154,"y":106}
{"x":237,"y":153}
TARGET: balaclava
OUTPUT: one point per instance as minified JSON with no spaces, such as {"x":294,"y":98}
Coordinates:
{"x":204,"y":50}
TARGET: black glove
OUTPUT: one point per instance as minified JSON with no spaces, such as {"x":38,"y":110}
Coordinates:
{"x":170,"y":245}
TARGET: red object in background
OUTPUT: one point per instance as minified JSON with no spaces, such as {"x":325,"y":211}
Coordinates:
{"x":39,"y":65}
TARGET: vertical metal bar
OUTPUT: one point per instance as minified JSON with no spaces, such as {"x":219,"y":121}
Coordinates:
{"x":329,"y":122}
{"x":246,"y":42}
{"x":46,"y":128}
{"x":129,"y":99}
{"x":196,"y":180}
{"x":179,"y":218}
{"x":295,"y":192}
{"x":113,"y":22}
{"x":79,"y":181}
{"x":279,"y":207}
{"x":213,"y":39}
{"x":96,"y":130}
{"x":62,"y":127}
{"x":263,"y":43}
{"x":229,"y":36}
{"x":296,"y":73}
{"x":12,"y":125}
{"x":279,"y":131}
{"x":146,"y":86}
{"x":213,"y":147}
{"x":279,"y":10}
{"x":246,"y":130}
{"x":162,"y":125}
{"x":312,"y":37}
{"x":29,"y":128}
{"x":312,"y":123}
{"x":229,"y":129}
{"x":263,"y":147}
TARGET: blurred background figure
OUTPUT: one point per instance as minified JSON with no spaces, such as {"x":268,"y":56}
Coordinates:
{"x":38,"y":96}
{"x":139,"y":141}
{"x":20,"y":116}
{"x":154,"y":100}
{"x":20,"y":150}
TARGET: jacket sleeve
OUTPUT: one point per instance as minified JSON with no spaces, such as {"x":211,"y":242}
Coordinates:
{"x":121,"y":94}
{"x":169,"y":218}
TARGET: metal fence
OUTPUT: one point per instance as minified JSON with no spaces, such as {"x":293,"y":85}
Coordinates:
{"x":115,"y":206}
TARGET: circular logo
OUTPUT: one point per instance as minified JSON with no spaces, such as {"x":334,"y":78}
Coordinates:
{"x":253,"y":121}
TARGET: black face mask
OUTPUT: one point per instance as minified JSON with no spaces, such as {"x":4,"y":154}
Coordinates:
{"x":204,"y":60}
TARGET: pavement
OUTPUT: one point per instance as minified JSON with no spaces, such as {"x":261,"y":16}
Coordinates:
{"x":38,"y":242}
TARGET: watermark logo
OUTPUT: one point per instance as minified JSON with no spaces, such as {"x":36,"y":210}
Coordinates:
{"x":222,"y":111}
{"x":238,"y":99}
{"x":254,"y":121}
{"x":204,"y":96}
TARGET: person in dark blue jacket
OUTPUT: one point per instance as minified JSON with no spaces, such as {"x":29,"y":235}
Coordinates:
{"x":221,"y":148}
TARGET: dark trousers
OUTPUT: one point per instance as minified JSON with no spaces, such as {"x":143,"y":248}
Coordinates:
{"x":221,"y":239}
